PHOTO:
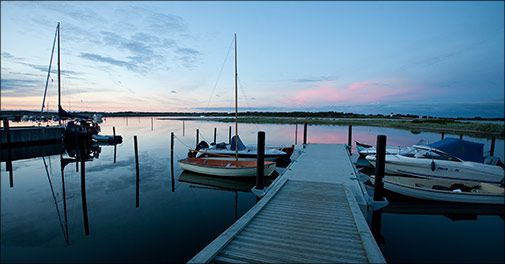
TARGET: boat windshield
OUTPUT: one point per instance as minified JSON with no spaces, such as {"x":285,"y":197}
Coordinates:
{"x":423,"y":153}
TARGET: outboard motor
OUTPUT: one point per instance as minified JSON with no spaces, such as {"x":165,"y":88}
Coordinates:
{"x":201,"y":145}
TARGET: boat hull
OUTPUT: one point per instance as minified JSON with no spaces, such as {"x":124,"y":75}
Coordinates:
{"x":480,"y":193}
{"x":224,"y":168}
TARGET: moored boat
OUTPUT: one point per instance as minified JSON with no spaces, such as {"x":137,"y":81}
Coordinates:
{"x":225,"y":167}
{"x":465,"y":163}
{"x":445,"y":190}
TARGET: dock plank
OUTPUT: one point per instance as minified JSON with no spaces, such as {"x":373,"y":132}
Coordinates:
{"x":310,"y":215}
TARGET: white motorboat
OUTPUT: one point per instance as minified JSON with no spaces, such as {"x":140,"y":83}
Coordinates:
{"x":365,"y":150}
{"x":445,"y":190}
{"x":225,"y":167}
{"x":431,"y":162}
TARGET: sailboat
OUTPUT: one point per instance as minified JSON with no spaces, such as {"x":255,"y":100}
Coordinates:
{"x":79,"y":126}
{"x":227,"y":167}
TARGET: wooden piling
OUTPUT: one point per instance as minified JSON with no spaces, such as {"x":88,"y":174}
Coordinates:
{"x":304,"y":133}
{"x":460,"y":136}
{"x":183,"y":128}
{"x":152,"y":124}
{"x":260,"y":165}
{"x":197,"y":137}
{"x":443,"y":134}
{"x":493,"y":141}
{"x":137,"y":178}
{"x":215,"y":132}
{"x":380,"y":162}
{"x":349,"y":137}
{"x":8,"y":164}
{"x":172,"y":159}
{"x":229,"y":135}
{"x":296,"y":134}
{"x":115,"y":142}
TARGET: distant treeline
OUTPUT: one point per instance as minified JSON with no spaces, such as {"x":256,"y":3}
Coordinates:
{"x":330,"y":114}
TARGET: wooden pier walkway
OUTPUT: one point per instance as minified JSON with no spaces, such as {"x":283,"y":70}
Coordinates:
{"x":310,"y":214}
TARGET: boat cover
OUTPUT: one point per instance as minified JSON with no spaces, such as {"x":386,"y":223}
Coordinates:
{"x":465,"y":150}
{"x":241,"y":145}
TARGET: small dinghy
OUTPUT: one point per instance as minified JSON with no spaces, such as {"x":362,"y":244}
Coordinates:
{"x":445,"y":190}
{"x":225,"y":167}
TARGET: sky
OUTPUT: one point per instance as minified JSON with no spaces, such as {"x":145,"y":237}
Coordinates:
{"x":426,"y":58}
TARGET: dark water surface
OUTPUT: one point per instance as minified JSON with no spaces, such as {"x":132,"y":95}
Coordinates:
{"x":174,"y":224}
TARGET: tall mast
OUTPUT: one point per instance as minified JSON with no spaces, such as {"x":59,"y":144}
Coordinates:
{"x":48,"y":73}
{"x":236,"y":102}
{"x":59,"y":77}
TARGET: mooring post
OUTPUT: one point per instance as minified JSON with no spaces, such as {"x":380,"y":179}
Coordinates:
{"x":229,"y":135}
{"x":172,"y":159}
{"x":443,"y":134}
{"x":137,"y":178}
{"x":304,"y":134}
{"x":460,"y":136}
{"x":152,"y":124}
{"x":260,"y":165}
{"x":349,"y":137}
{"x":183,"y":128}
{"x":296,"y":134}
{"x":197,"y":137}
{"x":215,"y":132}
{"x":8,"y":164}
{"x":380,"y":162}
{"x":491,"y":151}
{"x":83,"y":185}
{"x":115,"y":142}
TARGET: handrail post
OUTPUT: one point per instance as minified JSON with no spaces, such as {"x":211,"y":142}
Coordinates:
{"x":349,"y":138}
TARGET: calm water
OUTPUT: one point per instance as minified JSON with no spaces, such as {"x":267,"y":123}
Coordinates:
{"x":173,"y":224}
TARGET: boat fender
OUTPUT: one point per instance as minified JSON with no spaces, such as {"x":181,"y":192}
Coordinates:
{"x":432,"y":165}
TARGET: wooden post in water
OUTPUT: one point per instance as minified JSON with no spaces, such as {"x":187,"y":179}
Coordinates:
{"x":460,"y":136}
{"x":183,"y":128}
{"x":260,"y":163}
{"x":215,"y":132}
{"x":83,"y":185}
{"x":115,"y":143}
{"x":197,"y":137}
{"x":137,"y":178}
{"x":152,"y":124}
{"x":349,"y":137}
{"x":304,"y":134}
{"x":172,"y":159}
{"x":380,"y":161}
{"x":8,"y":163}
{"x":443,"y":134}
{"x":296,"y":134}
{"x":493,"y":141}
{"x":229,"y":135}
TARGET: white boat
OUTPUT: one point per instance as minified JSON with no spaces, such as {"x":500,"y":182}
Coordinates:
{"x":223,"y":149}
{"x":365,"y":150}
{"x":430,"y":162}
{"x":445,"y":190}
{"x":225,"y":167}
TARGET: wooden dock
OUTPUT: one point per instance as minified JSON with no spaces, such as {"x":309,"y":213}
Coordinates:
{"x":310,"y":214}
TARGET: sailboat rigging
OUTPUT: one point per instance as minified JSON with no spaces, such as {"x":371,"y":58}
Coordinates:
{"x":225,"y":166}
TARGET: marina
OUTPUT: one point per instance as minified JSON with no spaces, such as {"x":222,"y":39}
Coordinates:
{"x":176,"y":212}
{"x":332,"y":132}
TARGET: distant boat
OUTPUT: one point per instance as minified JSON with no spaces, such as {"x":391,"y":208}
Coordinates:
{"x":445,"y":190}
{"x":464,"y":162}
{"x":223,"y":166}
{"x":365,"y":150}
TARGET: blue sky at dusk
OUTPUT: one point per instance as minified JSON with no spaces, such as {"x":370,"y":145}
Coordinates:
{"x":436,"y":58}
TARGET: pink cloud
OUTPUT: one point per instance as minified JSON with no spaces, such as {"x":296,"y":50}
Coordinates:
{"x":356,"y":93}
